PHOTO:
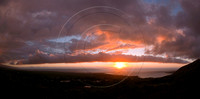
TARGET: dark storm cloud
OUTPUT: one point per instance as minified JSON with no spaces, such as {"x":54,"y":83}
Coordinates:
{"x":187,"y":21}
{"x":169,"y":31}
{"x":4,"y":2}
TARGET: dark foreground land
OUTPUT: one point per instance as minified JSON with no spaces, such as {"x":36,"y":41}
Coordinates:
{"x":184,"y":83}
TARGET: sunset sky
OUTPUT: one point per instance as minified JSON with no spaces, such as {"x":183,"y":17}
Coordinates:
{"x":71,"y":31}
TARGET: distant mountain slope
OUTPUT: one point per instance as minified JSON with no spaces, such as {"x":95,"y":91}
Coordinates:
{"x":185,"y":82}
{"x":189,"y":71}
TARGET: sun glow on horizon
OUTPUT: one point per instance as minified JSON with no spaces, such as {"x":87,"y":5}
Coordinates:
{"x":120,"y":65}
{"x":98,"y":65}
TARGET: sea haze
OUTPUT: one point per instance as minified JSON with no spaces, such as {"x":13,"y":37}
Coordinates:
{"x":141,"y":69}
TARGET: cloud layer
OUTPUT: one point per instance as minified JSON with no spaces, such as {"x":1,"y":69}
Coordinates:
{"x":28,"y":29}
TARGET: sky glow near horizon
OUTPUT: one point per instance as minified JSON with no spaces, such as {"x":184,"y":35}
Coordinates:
{"x":100,"y":65}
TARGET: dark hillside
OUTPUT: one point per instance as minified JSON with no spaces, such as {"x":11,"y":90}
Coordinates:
{"x":184,"y":83}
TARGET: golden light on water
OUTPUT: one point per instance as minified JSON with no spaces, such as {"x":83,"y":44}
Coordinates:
{"x":120,"y":65}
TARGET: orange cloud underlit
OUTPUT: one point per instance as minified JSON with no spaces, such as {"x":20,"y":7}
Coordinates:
{"x":160,"y":39}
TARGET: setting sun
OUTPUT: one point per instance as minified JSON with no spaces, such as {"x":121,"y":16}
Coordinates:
{"x":120,"y":65}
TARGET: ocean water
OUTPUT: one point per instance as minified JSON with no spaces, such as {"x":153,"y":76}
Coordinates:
{"x":141,"y":72}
